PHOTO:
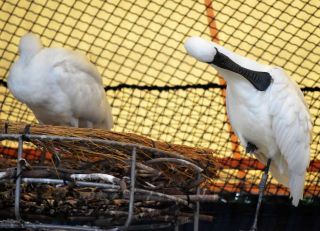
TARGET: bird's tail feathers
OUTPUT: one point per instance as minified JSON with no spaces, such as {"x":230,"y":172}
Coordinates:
{"x":281,"y":177}
{"x":108,"y":123}
{"x":296,"y":188}
{"x":280,"y":173}
{"x":294,"y":182}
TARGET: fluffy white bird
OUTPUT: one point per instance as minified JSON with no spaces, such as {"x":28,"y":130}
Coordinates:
{"x":60,"y":86}
{"x":267,"y":112}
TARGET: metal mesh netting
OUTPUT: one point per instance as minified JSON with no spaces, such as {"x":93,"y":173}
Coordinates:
{"x":154,"y":88}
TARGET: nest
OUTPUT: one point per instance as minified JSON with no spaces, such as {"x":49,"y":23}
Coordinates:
{"x":165,"y":174}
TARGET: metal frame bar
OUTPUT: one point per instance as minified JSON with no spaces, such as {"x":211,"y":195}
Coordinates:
{"x":18,"y":180}
{"x":132,"y":188}
{"x":197,"y":209}
{"x":176,"y":158}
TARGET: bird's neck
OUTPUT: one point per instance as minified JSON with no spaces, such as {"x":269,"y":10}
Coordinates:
{"x":240,"y":89}
{"x":26,"y":58}
{"x":259,"y":79}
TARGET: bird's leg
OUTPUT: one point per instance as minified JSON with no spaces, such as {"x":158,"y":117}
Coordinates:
{"x":262,"y":186}
{"x":6,"y":126}
{"x":89,"y":124}
{"x":74,"y":122}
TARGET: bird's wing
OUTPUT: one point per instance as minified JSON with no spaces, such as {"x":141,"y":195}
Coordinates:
{"x":291,"y":121}
{"x":291,"y":125}
{"x":73,"y":61}
{"x":81,"y":83}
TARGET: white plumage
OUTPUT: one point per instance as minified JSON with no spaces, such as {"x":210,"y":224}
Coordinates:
{"x":275,"y":120}
{"x":60,"y":86}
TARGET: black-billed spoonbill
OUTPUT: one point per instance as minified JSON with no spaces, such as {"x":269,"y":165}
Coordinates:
{"x":268,"y":113}
{"x":60,"y":86}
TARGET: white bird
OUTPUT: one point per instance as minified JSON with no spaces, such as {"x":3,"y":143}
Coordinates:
{"x":60,"y":86}
{"x":267,"y":111}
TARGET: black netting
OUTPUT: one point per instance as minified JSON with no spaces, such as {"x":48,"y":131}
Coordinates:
{"x":154,"y":87}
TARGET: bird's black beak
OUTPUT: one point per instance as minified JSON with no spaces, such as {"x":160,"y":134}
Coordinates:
{"x":260,"y":80}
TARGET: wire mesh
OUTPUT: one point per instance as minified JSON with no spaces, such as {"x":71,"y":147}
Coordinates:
{"x":154,"y":88}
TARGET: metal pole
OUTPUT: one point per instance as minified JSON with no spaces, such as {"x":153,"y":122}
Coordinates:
{"x":132,"y":188}
{"x":197,"y":209}
{"x":18,"y":180}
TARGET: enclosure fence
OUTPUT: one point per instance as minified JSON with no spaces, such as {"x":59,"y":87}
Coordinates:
{"x":154,"y":87}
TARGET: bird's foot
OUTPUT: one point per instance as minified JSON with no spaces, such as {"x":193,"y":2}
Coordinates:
{"x":251,"y":148}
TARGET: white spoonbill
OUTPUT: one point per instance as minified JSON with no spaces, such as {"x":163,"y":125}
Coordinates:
{"x":268,"y":113}
{"x":60,"y":86}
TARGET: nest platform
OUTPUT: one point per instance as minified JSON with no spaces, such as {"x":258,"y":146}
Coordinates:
{"x":90,"y":179}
